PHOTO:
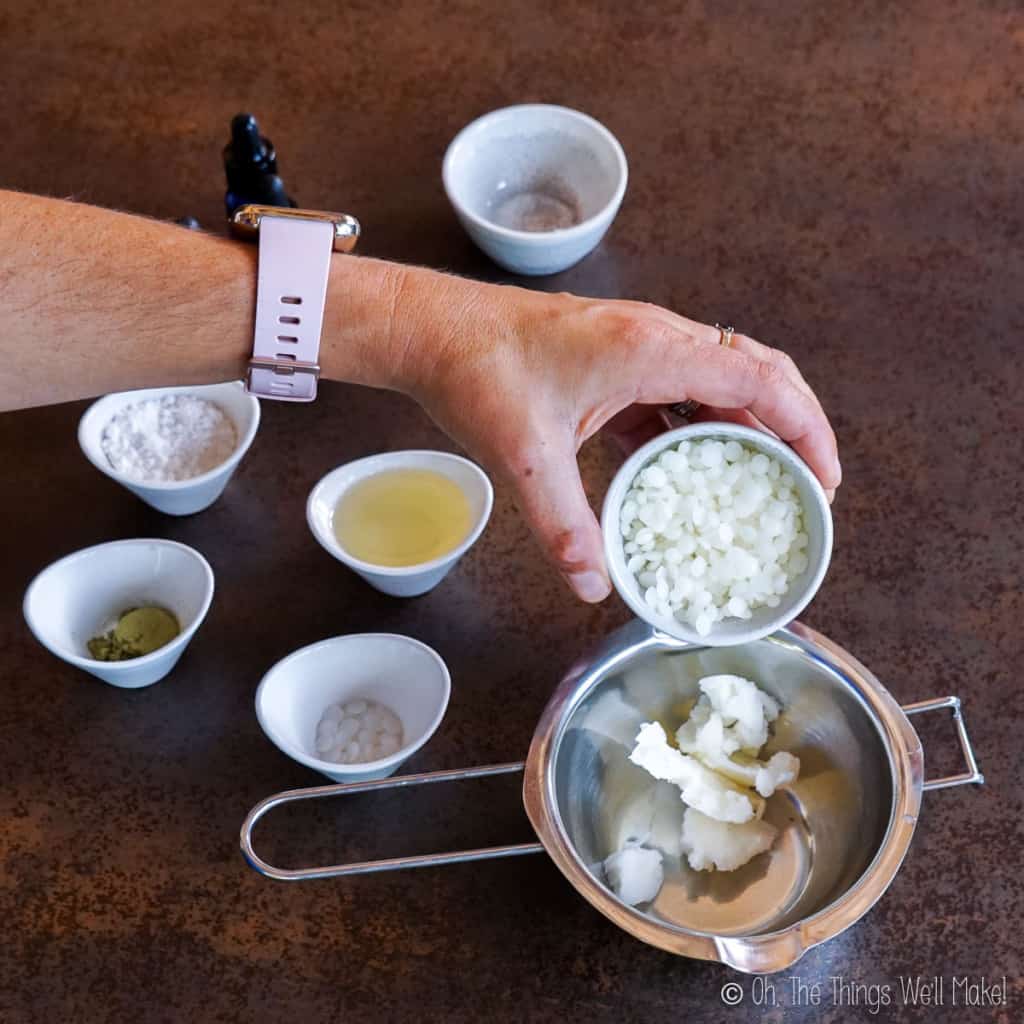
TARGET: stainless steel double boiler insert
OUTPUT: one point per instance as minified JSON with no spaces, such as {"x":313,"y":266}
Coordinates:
{"x":844,"y":825}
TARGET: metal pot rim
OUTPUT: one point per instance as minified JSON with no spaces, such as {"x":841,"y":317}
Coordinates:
{"x":763,"y":952}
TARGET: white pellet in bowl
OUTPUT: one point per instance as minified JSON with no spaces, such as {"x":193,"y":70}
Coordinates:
{"x":358,"y":731}
{"x":713,"y":530}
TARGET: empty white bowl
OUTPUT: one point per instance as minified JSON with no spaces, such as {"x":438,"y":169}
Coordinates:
{"x":404,"y":580}
{"x":764,"y":620}
{"x":405,"y":675}
{"x":178,"y":497}
{"x":551,"y":168}
{"x":77,"y":597}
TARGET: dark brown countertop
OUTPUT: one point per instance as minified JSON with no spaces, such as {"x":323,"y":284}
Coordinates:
{"x":839,"y":179}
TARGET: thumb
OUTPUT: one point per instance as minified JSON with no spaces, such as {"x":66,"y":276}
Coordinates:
{"x":551,"y":497}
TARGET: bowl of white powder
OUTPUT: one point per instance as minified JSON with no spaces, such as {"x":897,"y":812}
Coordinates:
{"x":716,"y":534}
{"x":176,"y":448}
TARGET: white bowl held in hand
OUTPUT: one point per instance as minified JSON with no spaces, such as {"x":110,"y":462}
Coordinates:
{"x":536,"y":186}
{"x":402,"y":580}
{"x":175,"y":497}
{"x":397,"y":671}
{"x":77,"y":597}
{"x":763,"y":620}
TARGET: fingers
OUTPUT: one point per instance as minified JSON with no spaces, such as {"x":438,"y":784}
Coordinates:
{"x":732,"y":379}
{"x":778,"y":358}
{"x":743,"y":418}
{"x":551,"y":497}
{"x":766,"y":386}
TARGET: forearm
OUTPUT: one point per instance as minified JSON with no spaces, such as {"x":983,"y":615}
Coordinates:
{"x":93,"y":301}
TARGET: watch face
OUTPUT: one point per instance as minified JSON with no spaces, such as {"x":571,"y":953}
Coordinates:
{"x":245,"y":222}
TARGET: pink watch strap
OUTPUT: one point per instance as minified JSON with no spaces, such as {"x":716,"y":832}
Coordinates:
{"x":294,"y":261}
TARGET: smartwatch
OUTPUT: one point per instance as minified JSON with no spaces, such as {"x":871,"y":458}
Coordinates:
{"x":291,"y":290}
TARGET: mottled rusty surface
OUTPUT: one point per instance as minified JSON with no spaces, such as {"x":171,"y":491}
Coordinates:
{"x":841,"y":179}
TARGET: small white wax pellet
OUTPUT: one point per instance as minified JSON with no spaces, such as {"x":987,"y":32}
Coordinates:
{"x":733,"y":451}
{"x":352,"y":752}
{"x":737,"y":606}
{"x":333,"y":713}
{"x":673,"y":556}
{"x":772,"y":602}
{"x":726,"y":533}
{"x":649,"y":515}
{"x":698,"y":567}
{"x":327,"y":727}
{"x":759,"y":464}
{"x":647,"y":579}
{"x":392,"y":723}
{"x":654,"y":476}
{"x":355,"y":708}
{"x":644,"y":536}
{"x":347,"y":730}
{"x":702,"y":624}
{"x":711,"y":453}
{"x":636,"y":563}
{"x":628,"y":510}
{"x":651,"y":597}
{"x":336,"y":754}
{"x":324,"y":744}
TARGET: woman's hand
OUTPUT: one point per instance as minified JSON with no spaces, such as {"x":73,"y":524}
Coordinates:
{"x":521,"y":379}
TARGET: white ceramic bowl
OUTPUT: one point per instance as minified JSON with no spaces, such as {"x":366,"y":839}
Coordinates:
{"x":181,"y":497}
{"x":407,"y":676}
{"x":75,"y":599}
{"x":764,"y":620}
{"x":405,"y":580}
{"x":529,"y":153}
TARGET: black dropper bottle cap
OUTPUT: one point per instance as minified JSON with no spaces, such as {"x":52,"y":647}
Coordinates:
{"x":250,"y":164}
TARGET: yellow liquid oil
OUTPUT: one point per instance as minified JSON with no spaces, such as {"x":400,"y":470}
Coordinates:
{"x":402,"y":517}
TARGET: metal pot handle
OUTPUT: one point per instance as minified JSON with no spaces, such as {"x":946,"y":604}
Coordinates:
{"x":394,"y":863}
{"x":973,"y":774}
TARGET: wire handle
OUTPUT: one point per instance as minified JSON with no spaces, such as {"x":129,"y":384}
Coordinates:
{"x":973,"y":773}
{"x":391,"y":864}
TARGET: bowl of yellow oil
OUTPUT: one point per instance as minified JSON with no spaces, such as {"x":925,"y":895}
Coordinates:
{"x":401,"y":520}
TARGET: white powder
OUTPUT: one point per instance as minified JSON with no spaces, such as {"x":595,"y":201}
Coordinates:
{"x":175,"y":437}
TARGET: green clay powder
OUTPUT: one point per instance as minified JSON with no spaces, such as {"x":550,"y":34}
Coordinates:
{"x":138,"y":631}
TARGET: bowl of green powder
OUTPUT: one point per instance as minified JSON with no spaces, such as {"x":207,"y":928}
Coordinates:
{"x":123,"y":611}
